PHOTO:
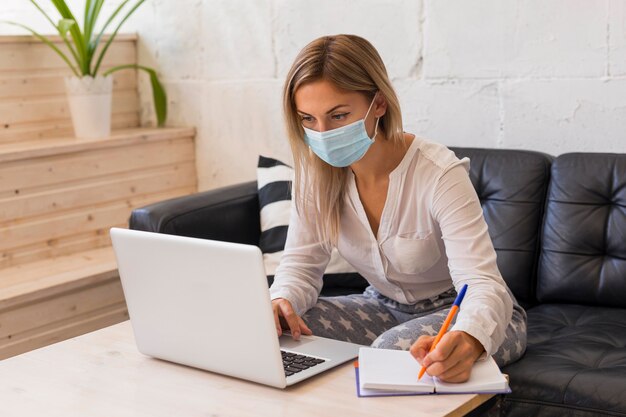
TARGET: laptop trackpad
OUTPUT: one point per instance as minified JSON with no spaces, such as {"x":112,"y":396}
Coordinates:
{"x":287,"y":342}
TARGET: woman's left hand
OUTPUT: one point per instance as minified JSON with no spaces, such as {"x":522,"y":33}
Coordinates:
{"x":452,"y":359}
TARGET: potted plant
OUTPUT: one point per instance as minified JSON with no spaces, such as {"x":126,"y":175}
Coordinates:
{"x":89,"y":89}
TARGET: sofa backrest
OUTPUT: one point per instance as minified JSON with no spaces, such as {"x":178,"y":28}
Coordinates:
{"x":512,"y":185}
{"x":229,"y":213}
{"x":583,"y":254}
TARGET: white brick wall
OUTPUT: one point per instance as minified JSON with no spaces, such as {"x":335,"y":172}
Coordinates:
{"x":617,"y":38}
{"x":392,"y":26}
{"x":515,"y":39}
{"x":547,"y":75}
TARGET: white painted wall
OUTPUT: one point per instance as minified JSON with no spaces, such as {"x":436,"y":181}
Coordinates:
{"x":547,"y":75}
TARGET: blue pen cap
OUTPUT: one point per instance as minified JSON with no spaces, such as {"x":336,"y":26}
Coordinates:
{"x":459,"y":297}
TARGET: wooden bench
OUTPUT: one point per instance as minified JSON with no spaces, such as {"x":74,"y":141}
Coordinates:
{"x":60,"y":195}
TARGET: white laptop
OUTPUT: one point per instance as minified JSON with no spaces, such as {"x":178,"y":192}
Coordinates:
{"x":206,"y":304}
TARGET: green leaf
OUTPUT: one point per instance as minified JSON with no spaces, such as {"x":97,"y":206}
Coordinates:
{"x":92,"y":11}
{"x":77,"y":35}
{"x":158,"y":92}
{"x":64,"y":26}
{"x":106,"y":46}
{"x":47,"y":42}
{"x":86,"y":21}
{"x":107,"y":23}
{"x":159,"y":97}
{"x":67,"y":43}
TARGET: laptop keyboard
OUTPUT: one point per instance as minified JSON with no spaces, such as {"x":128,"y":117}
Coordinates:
{"x":294,"y":362}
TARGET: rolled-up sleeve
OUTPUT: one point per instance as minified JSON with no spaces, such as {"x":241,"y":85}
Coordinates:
{"x":487,"y":307}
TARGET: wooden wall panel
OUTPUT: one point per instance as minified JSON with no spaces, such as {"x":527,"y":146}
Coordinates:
{"x":40,"y":280}
{"x":59,"y":203}
{"x":22,"y":86}
{"x":83,"y":193}
{"x":33,"y":103}
{"x":34,"y":240}
{"x":61,"y":128}
{"x":89,"y":298}
{"x":26,"y":53}
{"x":59,"y":196}
{"x":16,"y":112}
{"x":19,"y":178}
{"x":58,"y":331}
{"x":52,"y":300}
{"x":55,"y":248}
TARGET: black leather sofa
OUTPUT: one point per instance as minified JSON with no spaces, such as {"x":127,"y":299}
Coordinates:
{"x":559,"y":229}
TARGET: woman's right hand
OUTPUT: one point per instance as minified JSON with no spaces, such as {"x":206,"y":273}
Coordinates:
{"x":286,"y":318}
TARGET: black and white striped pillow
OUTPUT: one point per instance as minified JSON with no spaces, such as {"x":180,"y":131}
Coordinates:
{"x":274,"y":183}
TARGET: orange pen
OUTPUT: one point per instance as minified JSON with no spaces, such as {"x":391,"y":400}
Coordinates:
{"x":444,"y":328}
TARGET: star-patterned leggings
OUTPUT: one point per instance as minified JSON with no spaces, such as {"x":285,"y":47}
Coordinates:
{"x":373,"y":319}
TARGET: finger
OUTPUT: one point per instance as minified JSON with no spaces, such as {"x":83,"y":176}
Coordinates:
{"x":292,"y":319}
{"x":420,"y":348}
{"x":279,"y":329}
{"x":443,"y":350}
{"x":458,"y":373}
{"x":303,"y":327}
{"x":460,"y":360}
{"x":440,"y":368}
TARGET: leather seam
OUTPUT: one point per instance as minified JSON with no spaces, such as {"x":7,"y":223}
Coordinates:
{"x":581,"y":203}
{"x":504,"y":200}
{"x":583,"y":254}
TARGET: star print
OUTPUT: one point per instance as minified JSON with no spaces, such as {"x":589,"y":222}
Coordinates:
{"x":358,"y":301}
{"x":506,"y":355}
{"x":403,"y":343}
{"x":369,"y":334}
{"x":322,"y":307}
{"x":401,"y":327}
{"x":336,"y":303}
{"x":384,"y":316}
{"x":346,"y":323}
{"x":429,"y":330}
{"x":327,"y":324}
{"x":362,"y":314}
{"x":443,"y":313}
{"x":518,"y":347}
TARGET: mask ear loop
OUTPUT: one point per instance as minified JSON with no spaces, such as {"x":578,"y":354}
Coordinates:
{"x":375,"y":129}
{"x":377,"y":119}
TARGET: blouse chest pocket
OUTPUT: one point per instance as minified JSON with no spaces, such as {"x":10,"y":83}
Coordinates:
{"x":412,"y":254}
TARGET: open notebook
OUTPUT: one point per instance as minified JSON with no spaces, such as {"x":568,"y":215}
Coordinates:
{"x":383,"y":372}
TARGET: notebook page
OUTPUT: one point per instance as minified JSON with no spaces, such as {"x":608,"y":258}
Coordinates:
{"x":485,"y":377}
{"x":391,"y":370}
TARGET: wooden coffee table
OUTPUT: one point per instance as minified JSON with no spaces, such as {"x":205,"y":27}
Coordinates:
{"x":103,"y":374}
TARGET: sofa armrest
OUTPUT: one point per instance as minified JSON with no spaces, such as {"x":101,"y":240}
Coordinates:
{"x":229,"y":214}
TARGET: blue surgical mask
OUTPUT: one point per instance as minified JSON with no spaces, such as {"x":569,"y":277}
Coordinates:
{"x":344,"y":145}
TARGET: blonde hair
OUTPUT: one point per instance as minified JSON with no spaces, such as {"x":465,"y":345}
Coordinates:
{"x":351,"y":63}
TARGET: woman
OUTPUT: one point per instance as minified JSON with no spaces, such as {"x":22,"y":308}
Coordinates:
{"x":400,"y":209}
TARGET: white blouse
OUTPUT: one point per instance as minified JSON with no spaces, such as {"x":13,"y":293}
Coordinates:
{"x":432,"y":235}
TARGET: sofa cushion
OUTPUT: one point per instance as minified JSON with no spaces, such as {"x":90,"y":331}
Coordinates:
{"x":583,"y":255}
{"x":575,"y":363}
{"x":511,"y":185}
{"x":274,"y":182}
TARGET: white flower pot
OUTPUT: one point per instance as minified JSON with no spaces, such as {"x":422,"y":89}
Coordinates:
{"x":90,"y":105}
